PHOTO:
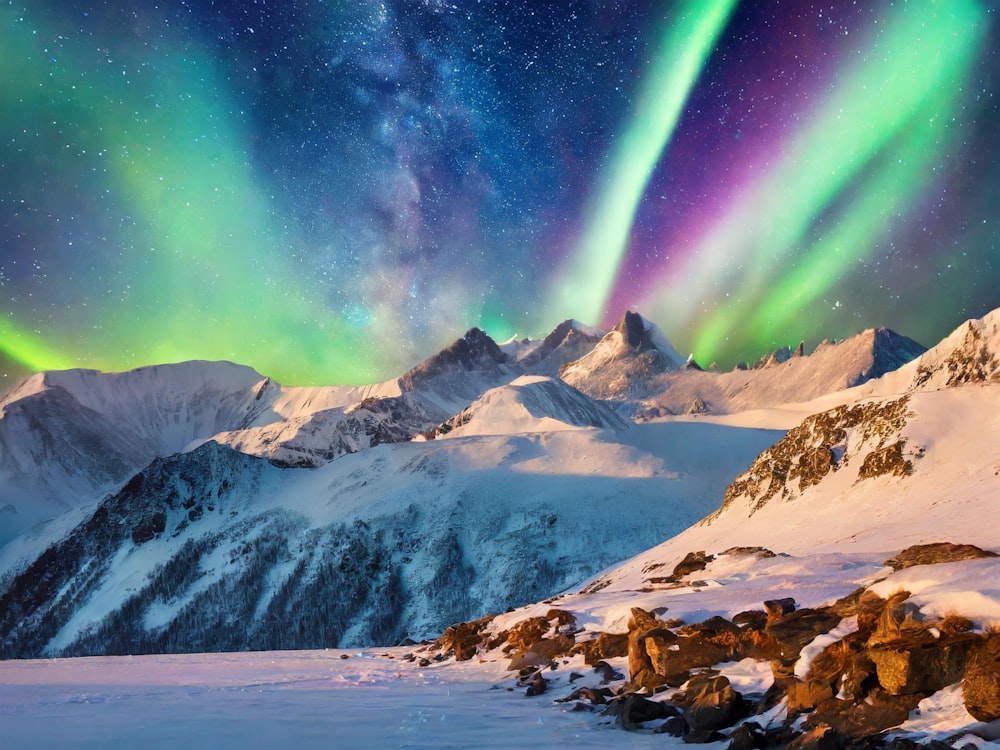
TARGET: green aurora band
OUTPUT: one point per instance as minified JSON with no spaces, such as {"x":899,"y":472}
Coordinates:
{"x":584,"y":286}
{"x":871,"y":144}
{"x":203,"y":261}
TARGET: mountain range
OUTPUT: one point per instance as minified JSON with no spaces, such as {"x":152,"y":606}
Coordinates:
{"x":202,"y":506}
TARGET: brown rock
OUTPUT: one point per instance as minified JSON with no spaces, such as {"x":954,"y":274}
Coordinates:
{"x":913,"y":665}
{"x":798,"y":628}
{"x":524,"y":634}
{"x":542,"y":652}
{"x":692,"y":562}
{"x":879,"y":711}
{"x":753,"y":619}
{"x":641,"y":626}
{"x":464,"y":639}
{"x":981,"y":686}
{"x":702,"y":644}
{"x":778,"y":608}
{"x":710,"y":703}
{"x":806,"y":695}
{"x":887,"y":460}
{"x":938,"y":552}
{"x":605,"y":646}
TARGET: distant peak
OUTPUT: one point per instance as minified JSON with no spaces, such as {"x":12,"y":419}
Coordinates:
{"x":634,"y":330}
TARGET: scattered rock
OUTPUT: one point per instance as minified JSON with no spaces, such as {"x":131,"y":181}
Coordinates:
{"x":538,"y":685}
{"x":675,"y":726}
{"x":607,"y":672}
{"x":748,"y":736}
{"x":692,"y":562}
{"x":761,"y":553}
{"x":464,"y":639}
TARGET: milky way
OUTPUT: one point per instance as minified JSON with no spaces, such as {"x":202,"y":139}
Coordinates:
{"x":330,"y":191}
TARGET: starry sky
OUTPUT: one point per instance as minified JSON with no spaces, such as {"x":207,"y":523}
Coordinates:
{"x":331,"y":190}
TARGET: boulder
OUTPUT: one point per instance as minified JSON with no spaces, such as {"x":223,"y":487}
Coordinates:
{"x":876,"y":713}
{"x":916,"y":665}
{"x":692,"y":563}
{"x":542,"y":652}
{"x":605,"y":646}
{"x":710,"y":703}
{"x":981,"y":686}
{"x":797,"y":629}
{"x":938,"y":552}
{"x":778,"y":608}
{"x":641,"y":627}
{"x":704,"y":644}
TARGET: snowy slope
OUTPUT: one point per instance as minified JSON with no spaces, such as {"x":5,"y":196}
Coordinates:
{"x":217,"y":550}
{"x":69,"y":437}
{"x":531,"y":403}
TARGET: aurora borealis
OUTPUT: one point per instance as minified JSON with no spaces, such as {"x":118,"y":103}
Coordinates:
{"x":330,"y":191}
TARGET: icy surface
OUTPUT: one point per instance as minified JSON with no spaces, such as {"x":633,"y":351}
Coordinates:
{"x":301,"y":700}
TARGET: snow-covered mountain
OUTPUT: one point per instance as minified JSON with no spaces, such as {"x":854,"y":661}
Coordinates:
{"x":623,"y":363}
{"x":531,"y":403}
{"x":262,"y":500}
{"x":217,"y":550}
{"x":568,"y":342}
{"x":783,"y":377}
{"x":843,"y":594}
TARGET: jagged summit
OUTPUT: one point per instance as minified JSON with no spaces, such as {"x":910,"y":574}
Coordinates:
{"x":474,"y":352}
{"x":625,"y":361}
{"x":569,"y":341}
{"x":970,"y":354}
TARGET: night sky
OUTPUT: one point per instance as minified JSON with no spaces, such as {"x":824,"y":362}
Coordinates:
{"x":330,"y":191}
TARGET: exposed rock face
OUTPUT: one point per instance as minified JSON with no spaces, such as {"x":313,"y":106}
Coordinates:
{"x":474,"y":351}
{"x":887,"y":460}
{"x":821,"y":444}
{"x":973,"y":361}
{"x":969,"y":355}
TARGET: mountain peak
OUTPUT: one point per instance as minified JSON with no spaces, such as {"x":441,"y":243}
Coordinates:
{"x":474,"y":352}
{"x":621,"y":365}
{"x":568,"y":341}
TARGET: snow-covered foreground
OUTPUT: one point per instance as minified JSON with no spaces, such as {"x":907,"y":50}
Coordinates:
{"x":320,"y":699}
{"x":292,"y":699}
